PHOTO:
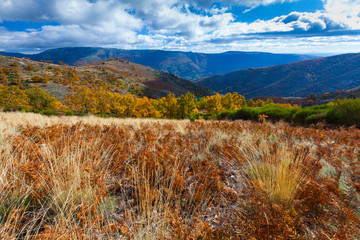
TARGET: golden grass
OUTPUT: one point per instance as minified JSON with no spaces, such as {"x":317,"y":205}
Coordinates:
{"x":279,"y":171}
{"x":94,"y":178}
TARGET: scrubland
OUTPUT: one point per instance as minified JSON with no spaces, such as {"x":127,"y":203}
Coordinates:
{"x":93,"y":178}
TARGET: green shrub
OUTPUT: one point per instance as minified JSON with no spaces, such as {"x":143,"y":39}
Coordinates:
{"x":225,"y":115}
{"x":69,"y":112}
{"x":316,"y":118}
{"x":305,"y":114}
{"x":334,"y":117}
{"x":246,"y":113}
{"x":349,"y":111}
{"x":49,"y":112}
{"x":277,"y":113}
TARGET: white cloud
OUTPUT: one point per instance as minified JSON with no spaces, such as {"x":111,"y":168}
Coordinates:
{"x":346,"y":11}
{"x":108,"y":21}
{"x":170,"y":24}
{"x":247,"y":3}
{"x":347,"y":8}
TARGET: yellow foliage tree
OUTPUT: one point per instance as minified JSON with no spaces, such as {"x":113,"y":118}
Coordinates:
{"x":260,"y":103}
{"x":3,"y":78}
{"x":117,"y":105}
{"x":82,"y":100}
{"x":186,"y":105}
{"x":145,"y":109}
{"x":167,"y":106}
{"x":214,"y":103}
{"x":103,"y":100}
{"x":39,"y":99}
{"x":13,"y":98}
{"x":233,"y":101}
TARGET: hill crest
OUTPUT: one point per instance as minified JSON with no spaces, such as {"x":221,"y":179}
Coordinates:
{"x":117,"y":75}
{"x":297,"y":79}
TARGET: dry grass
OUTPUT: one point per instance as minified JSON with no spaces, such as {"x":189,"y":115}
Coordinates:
{"x":278,"y":171}
{"x":92,"y":178}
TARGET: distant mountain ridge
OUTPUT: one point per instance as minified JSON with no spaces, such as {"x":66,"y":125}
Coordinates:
{"x":298,"y":79}
{"x":187,"y":65}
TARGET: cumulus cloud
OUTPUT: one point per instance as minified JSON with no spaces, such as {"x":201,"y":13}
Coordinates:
{"x":247,"y":3}
{"x":347,"y":8}
{"x":166,"y":23}
{"x":311,"y":22}
{"x":293,"y":25}
{"x":347,"y":11}
{"x":105,"y":22}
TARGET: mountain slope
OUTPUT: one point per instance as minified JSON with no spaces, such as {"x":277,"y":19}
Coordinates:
{"x":116,"y":75}
{"x":188,"y":65}
{"x":294,"y":79}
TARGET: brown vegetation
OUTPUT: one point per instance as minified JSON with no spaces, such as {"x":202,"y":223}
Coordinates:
{"x":90,"y":178}
{"x":113,"y":75}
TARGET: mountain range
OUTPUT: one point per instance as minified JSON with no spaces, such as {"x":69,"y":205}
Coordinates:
{"x":298,"y":79}
{"x":292,"y":79}
{"x":186,"y":65}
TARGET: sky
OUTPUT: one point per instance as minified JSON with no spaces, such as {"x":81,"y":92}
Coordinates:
{"x":279,"y":26}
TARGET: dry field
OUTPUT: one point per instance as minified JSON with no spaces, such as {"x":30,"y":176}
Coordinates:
{"x":92,"y":178}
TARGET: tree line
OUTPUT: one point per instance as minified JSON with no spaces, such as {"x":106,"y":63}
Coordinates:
{"x":84,"y":100}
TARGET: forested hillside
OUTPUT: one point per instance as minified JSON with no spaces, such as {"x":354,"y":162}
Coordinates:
{"x":298,"y":79}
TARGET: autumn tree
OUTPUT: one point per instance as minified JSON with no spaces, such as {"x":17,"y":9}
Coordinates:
{"x":269,"y":101}
{"x":39,"y":99}
{"x":123,"y":105}
{"x":260,"y":103}
{"x":145,"y":109}
{"x":13,"y":98}
{"x":5,"y":70}
{"x":214,"y":103}
{"x":103,"y":100}
{"x":117,"y":106}
{"x":186,"y":105}
{"x":202,"y":103}
{"x":251,"y":103}
{"x":3,"y":78}
{"x":167,"y":106}
{"x":233,"y":101}
{"x":82,"y":100}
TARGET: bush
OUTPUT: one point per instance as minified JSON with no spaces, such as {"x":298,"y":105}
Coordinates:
{"x":246,"y":113}
{"x":30,"y":67}
{"x":302,"y":114}
{"x":225,"y":115}
{"x":273,"y":111}
{"x":349,"y":111}
{"x":312,"y":114}
{"x":334,"y":117}
{"x":49,"y":112}
{"x":14,"y":64}
{"x":276,"y":113}
{"x":69,"y":112}
{"x":316,"y":118}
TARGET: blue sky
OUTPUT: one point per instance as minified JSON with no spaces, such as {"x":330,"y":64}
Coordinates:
{"x":287,"y":26}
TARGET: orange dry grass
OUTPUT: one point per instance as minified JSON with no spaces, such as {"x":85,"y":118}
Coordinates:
{"x":91,"y":178}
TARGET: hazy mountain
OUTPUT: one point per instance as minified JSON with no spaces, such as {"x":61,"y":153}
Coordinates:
{"x":294,"y":79}
{"x":188,"y":65}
